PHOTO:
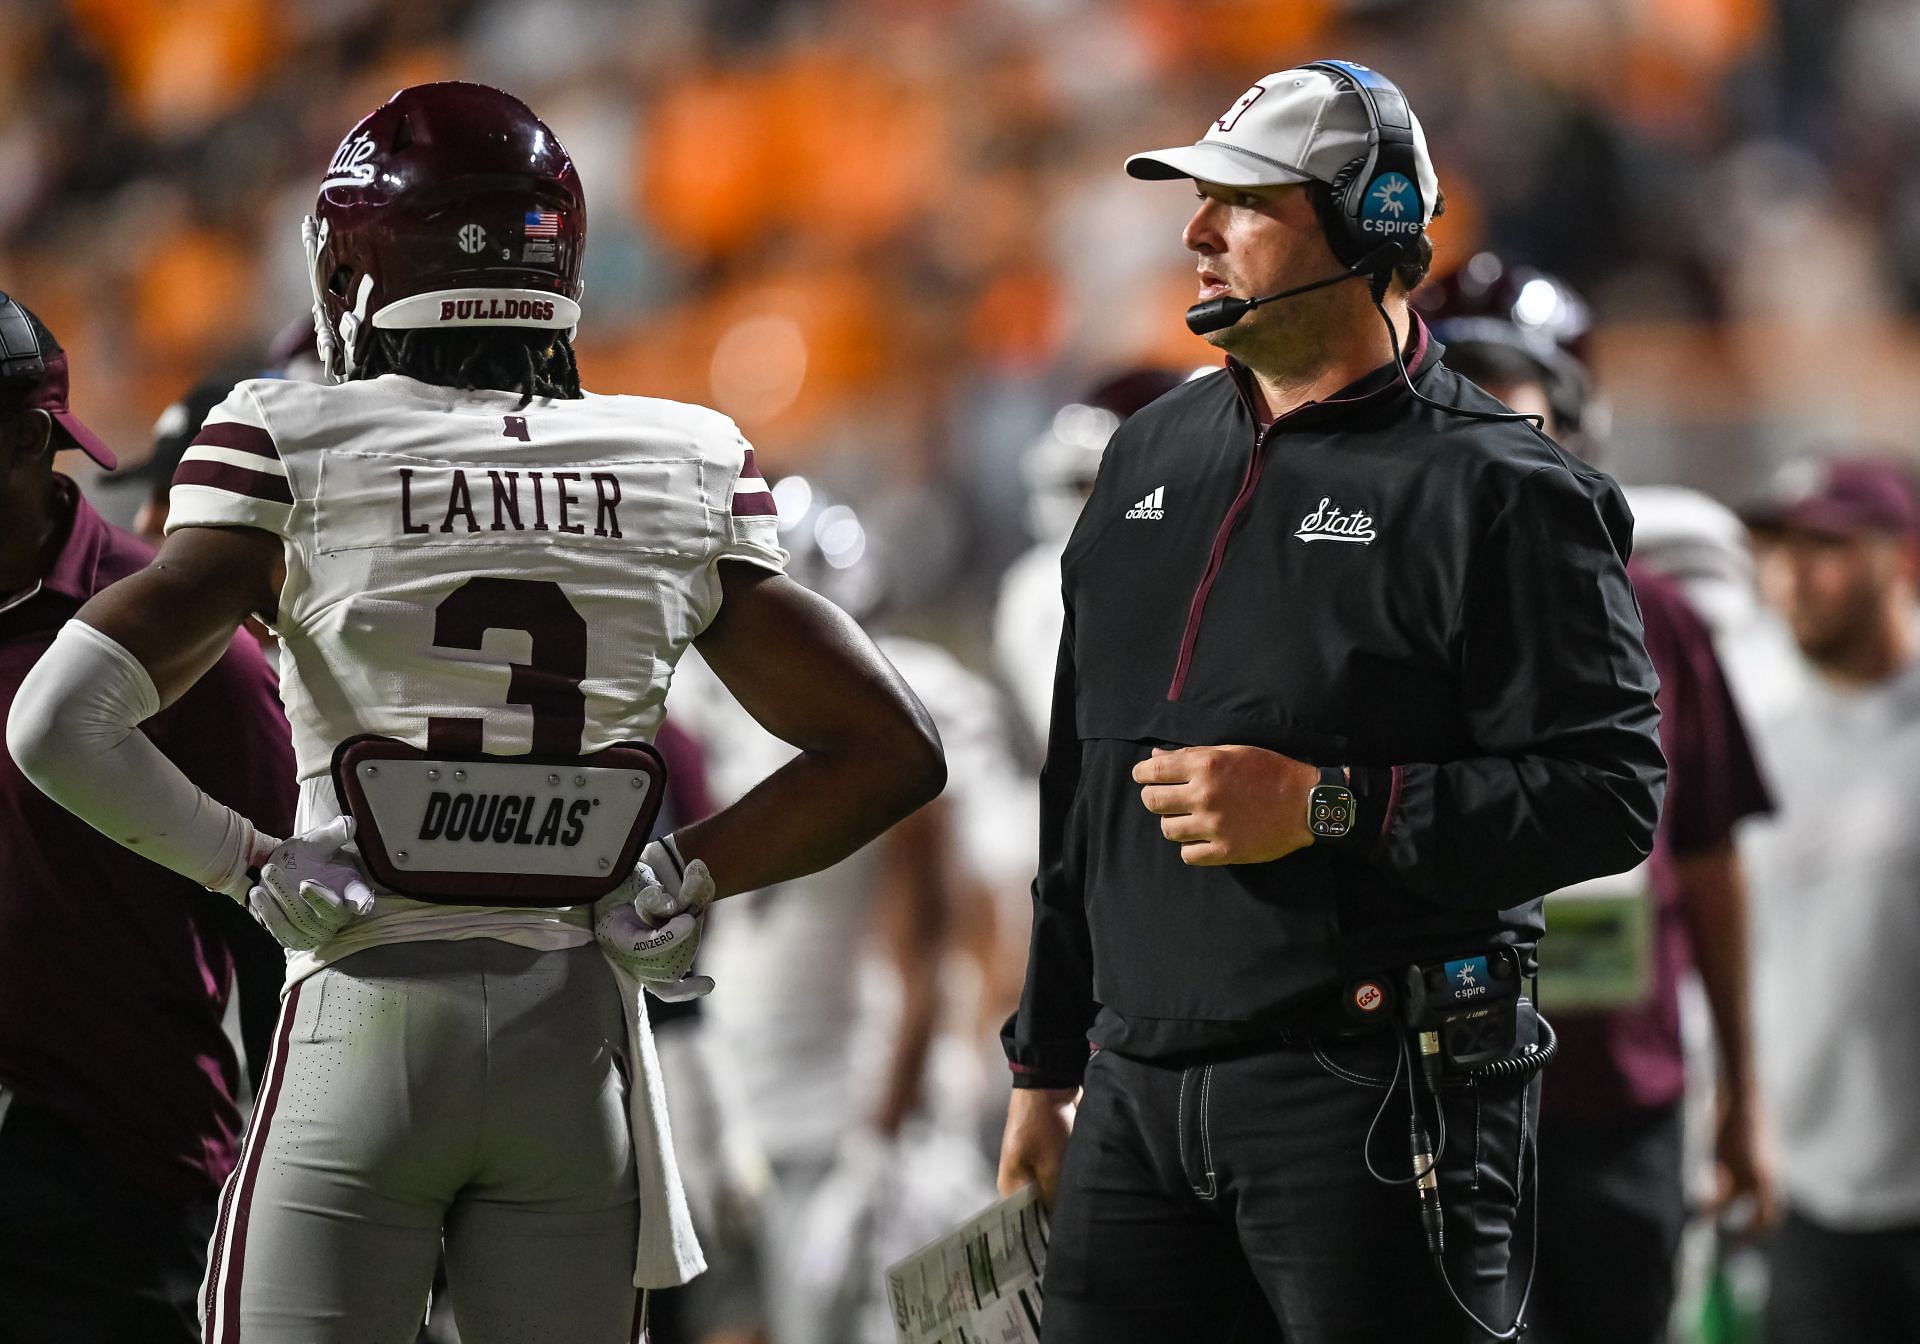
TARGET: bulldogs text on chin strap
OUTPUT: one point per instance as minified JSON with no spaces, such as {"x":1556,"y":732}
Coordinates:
{"x":1219,"y":314}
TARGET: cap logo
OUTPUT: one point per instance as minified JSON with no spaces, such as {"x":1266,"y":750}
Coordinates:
{"x":1389,"y":196}
{"x":1246,"y":100}
{"x":352,"y":163}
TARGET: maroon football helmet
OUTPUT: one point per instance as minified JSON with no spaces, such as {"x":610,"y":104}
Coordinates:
{"x":1494,"y":302}
{"x":452,"y":205}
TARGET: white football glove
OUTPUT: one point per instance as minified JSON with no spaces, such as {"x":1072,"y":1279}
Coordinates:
{"x":650,"y":924}
{"x":308,"y":889}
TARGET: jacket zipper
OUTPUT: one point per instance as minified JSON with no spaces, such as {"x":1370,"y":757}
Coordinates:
{"x":1198,"y":606}
{"x":1255,"y":465}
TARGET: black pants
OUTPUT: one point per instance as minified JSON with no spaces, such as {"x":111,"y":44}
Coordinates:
{"x":87,"y":1256}
{"x":1231,"y":1201}
{"x":1614,"y":1209}
{"x":1830,"y":1287}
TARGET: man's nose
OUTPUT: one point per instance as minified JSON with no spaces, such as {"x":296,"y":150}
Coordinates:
{"x":1202,"y":233}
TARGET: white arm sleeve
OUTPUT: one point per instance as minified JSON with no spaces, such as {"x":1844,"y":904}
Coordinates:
{"x":74,"y":731}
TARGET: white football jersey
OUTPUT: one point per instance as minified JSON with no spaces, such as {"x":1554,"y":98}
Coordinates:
{"x":467,"y":573}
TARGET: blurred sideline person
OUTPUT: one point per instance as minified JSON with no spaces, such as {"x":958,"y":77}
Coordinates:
{"x":1702,"y":545}
{"x":1351,"y":677}
{"x":1059,"y":470}
{"x":1612,"y":1123}
{"x":474,"y":567}
{"x":848,"y":1008}
{"x":118,"y":1088}
{"x":722,"y":1305}
{"x":1836,"y":893}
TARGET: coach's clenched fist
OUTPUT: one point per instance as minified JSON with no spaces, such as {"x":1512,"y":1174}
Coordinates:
{"x":1228,"y":804}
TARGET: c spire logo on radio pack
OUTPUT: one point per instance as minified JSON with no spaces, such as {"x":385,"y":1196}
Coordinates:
{"x":1391,"y":206}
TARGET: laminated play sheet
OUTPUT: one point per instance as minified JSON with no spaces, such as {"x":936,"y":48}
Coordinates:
{"x":979,"y":1284}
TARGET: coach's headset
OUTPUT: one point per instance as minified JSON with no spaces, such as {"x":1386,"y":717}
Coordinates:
{"x":21,"y":359}
{"x":1390,"y":159}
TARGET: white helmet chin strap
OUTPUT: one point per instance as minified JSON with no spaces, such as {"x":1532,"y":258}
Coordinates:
{"x":313,"y":235}
{"x":338,"y":349}
{"x":350,"y":324}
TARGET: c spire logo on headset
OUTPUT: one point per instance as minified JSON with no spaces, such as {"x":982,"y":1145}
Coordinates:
{"x":1385,"y":209}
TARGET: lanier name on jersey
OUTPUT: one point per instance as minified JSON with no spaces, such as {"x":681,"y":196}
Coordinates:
{"x":503,"y":819}
{"x":444,"y":499}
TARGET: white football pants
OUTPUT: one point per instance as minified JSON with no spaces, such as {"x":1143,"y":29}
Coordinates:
{"x":470,"y":1090}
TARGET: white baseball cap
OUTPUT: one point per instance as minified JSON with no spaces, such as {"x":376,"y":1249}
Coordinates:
{"x":1299,"y":125}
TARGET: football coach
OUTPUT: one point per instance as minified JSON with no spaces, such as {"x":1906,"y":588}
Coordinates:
{"x":1351,"y":676}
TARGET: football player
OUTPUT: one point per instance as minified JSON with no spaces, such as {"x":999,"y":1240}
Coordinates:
{"x":482,"y":578}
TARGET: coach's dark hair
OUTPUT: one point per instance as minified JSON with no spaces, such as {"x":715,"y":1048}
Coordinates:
{"x":1337,"y":228}
{"x":531,"y":361}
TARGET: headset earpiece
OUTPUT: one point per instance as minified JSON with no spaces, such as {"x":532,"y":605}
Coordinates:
{"x":1376,"y":199}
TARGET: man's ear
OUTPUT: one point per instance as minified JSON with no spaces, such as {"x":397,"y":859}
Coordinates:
{"x":26,"y":436}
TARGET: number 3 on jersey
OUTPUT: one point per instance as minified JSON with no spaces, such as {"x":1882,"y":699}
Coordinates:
{"x":548,"y":683}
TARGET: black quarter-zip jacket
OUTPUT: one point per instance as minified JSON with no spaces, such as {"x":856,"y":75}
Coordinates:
{"x":1440,"y":604}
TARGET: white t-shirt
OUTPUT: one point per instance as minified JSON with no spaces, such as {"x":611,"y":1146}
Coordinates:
{"x":1835,"y":880}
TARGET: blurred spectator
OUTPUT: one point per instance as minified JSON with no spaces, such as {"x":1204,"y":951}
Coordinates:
{"x":1836,"y":884}
{"x":1611,"y":1126}
{"x":888,"y":235}
{"x":118,"y":1114}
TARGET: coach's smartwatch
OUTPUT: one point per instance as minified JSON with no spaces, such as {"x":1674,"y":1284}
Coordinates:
{"x":1330,"y":805}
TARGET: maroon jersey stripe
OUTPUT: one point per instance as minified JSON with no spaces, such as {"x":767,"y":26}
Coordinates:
{"x":239,"y":480}
{"x":752,"y":468}
{"x":758,"y":504}
{"x":241,"y":438}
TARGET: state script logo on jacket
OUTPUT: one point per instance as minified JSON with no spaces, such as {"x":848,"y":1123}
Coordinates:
{"x":1327,"y":523}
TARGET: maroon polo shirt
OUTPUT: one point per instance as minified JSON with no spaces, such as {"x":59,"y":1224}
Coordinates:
{"x":1611,"y":1064}
{"x":113,"y":973}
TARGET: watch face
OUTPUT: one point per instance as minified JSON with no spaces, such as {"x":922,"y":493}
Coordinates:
{"x":1330,"y":811}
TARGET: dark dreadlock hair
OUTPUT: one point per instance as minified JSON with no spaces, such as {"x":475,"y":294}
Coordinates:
{"x":530,"y":361}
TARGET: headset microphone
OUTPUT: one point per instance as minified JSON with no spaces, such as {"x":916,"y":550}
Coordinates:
{"x":1219,"y":314}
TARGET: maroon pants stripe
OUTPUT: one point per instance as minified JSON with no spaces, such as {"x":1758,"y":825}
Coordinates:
{"x":223,"y":1275}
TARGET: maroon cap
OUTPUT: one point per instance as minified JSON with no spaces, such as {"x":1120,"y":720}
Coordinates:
{"x":1839,"y":496}
{"x":31,"y":359}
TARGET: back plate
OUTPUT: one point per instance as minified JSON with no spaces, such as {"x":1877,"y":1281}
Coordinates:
{"x":472,"y":829}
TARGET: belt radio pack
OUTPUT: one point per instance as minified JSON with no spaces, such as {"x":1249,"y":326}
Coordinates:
{"x":1462,"y":1015}
{"x":1464,"y":1010}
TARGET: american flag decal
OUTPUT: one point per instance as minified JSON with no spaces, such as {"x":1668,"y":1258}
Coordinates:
{"x":542,"y":224}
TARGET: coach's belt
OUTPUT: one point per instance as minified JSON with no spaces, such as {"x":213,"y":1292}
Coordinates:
{"x":472,"y":829}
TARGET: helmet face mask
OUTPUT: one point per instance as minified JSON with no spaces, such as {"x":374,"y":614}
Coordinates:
{"x":451,"y":205}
